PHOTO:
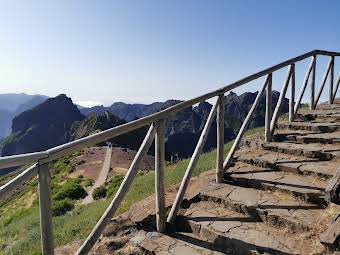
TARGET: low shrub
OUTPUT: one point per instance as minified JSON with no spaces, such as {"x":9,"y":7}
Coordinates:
{"x":60,"y":207}
{"x":114,"y":185}
{"x":99,"y":193}
{"x":71,"y":189}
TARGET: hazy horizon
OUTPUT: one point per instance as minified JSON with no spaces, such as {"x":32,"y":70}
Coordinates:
{"x":147,"y":51}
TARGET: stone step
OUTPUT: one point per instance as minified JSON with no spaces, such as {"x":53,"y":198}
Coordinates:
{"x":174,"y":244}
{"x":310,"y":188}
{"x":328,"y":111}
{"x":289,"y":163}
{"x":325,"y":138}
{"x":289,"y":134}
{"x":313,"y":150}
{"x":331,"y":237}
{"x":240,"y":234}
{"x":275,"y":208}
{"x":311,"y":126}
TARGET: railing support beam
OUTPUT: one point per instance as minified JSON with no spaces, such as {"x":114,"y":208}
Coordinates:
{"x":292,"y":95}
{"x":122,"y":191}
{"x":220,"y":139}
{"x":312,"y":85}
{"x":304,"y":86}
{"x":46,"y":225}
{"x":329,"y":66}
{"x":244,"y":126}
{"x":331,"y":82}
{"x":268,"y":116}
{"x":193,"y":161}
{"x":159,"y":176}
{"x":336,"y":87}
{"x":279,"y":102}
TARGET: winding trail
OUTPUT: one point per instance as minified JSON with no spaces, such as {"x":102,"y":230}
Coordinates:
{"x":101,"y":177}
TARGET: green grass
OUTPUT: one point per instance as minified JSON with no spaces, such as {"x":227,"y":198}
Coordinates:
{"x":19,"y":226}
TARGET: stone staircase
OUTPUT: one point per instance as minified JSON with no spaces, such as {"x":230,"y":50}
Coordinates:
{"x":274,"y":200}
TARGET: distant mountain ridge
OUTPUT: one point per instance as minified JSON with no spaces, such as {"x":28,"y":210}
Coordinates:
{"x":58,"y":120}
{"x":12,"y":105}
{"x":42,"y":127}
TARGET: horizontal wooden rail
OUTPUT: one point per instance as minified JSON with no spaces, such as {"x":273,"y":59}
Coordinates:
{"x":13,"y":184}
{"x":22,"y":159}
{"x":67,"y":148}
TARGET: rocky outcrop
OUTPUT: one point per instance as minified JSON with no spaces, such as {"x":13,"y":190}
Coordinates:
{"x":42,"y":127}
{"x":106,"y":120}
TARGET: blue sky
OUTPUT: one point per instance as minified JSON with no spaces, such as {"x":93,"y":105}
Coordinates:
{"x":145,"y":51}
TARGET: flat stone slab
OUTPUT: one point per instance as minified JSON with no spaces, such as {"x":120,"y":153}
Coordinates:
{"x":309,"y":187}
{"x":240,"y":234}
{"x":286,"y":162}
{"x":161,"y":244}
{"x":312,"y":126}
{"x":275,"y":208}
{"x":331,"y":237}
{"x":326,"y":138}
{"x":320,"y":151}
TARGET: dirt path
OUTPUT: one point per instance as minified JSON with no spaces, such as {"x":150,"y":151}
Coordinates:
{"x":101,"y":177}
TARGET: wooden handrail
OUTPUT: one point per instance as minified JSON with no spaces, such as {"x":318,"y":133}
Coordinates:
{"x":67,"y":148}
{"x":157,"y":129}
{"x":10,"y":186}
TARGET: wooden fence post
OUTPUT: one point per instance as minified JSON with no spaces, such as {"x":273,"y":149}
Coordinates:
{"x":46,"y":225}
{"x":331,"y":83}
{"x":312,"y":85}
{"x":268,"y":116}
{"x":220,"y":139}
{"x":292,"y":95}
{"x":159,"y":176}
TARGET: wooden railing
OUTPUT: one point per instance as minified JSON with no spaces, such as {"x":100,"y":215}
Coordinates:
{"x":156,"y":132}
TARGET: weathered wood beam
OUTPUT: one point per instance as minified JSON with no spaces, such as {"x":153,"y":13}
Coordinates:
{"x":122,"y":191}
{"x":245,"y":125}
{"x":323,"y":82}
{"x":268,"y":114}
{"x":192,"y":164}
{"x":67,"y":148}
{"x":9,"y":187}
{"x":336,"y":87}
{"x":45,"y":207}
{"x":312,"y":86}
{"x":331,"y":82}
{"x":292,"y":96}
{"x":22,"y":159}
{"x":279,"y":102}
{"x":304,"y":86}
{"x":159,"y":176}
{"x":220,"y":140}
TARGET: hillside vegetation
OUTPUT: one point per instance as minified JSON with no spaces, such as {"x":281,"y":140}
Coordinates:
{"x":19,"y":216}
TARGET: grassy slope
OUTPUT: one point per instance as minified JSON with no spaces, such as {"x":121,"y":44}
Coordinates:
{"x":19,"y":217}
